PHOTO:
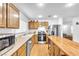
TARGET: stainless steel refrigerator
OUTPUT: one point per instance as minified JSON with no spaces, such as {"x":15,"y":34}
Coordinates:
{"x":54,"y":30}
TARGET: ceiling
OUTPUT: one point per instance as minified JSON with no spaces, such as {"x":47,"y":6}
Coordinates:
{"x":31,"y":10}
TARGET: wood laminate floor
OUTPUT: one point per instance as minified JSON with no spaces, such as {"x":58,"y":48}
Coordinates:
{"x":39,"y":50}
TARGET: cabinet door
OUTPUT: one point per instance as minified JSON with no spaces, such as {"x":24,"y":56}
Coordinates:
{"x":46,"y":38}
{"x":46,"y":24}
{"x":22,"y":50}
{"x":2,"y":15}
{"x":51,"y":48}
{"x":34,"y":39}
{"x":57,"y":51}
{"x":31,"y":24}
{"x":34,"y":24}
{"x":37,"y":24}
{"x":12,"y":16}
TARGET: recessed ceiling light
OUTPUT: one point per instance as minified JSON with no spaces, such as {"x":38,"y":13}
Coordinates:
{"x":69,"y":4}
{"x":40,"y":16}
{"x":40,"y":4}
{"x":55,"y":16}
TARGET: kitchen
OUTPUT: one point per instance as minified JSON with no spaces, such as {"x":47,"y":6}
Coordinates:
{"x":38,"y":29}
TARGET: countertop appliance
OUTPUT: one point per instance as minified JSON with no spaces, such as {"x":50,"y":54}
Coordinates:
{"x":6,"y":42}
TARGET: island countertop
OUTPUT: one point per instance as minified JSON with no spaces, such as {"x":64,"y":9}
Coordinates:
{"x":69,"y":47}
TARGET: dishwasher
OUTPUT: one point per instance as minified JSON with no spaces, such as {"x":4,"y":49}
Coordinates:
{"x":29,"y":46}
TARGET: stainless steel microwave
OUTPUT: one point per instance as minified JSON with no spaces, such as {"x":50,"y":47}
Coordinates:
{"x":6,"y":42}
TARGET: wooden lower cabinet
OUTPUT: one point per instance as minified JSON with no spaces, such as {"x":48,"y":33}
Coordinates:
{"x":50,"y":48}
{"x":51,"y":51}
{"x":54,"y":50}
{"x":34,"y":39}
{"x":46,"y":38}
{"x":21,"y":51}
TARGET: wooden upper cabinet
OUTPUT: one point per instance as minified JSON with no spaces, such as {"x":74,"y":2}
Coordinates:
{"x":46,"y":24}
{"x":2,"y":15}
{"x":34,"y":24}
{"x":12,"y":16}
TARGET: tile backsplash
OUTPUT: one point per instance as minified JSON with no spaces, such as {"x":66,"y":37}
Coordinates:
{"x":6,"y":30}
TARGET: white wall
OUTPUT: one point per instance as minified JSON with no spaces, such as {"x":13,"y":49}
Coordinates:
{"x":66,"y":29}
{"x":23,"y":26}
{"x":55,"y":21}
{"x":58,"y":21}
{"x":67,"y":24}
{"x":75,"y":29}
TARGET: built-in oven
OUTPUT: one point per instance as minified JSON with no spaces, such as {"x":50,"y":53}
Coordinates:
{"x":6,"y":42}
{"x":41,"y":37}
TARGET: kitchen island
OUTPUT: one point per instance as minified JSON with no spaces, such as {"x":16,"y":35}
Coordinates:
{"x":68,"y":47}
